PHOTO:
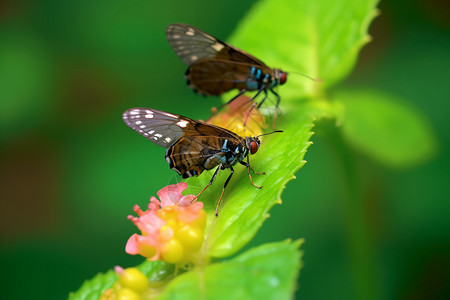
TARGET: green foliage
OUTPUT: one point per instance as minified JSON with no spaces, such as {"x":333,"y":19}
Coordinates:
{"x":386,"y":128}
{"x":93,"y":288}
{"x":264,"y":272}
{"x":244,"y":207}
{"x":317,"y":38}
{"x":321,"y":39}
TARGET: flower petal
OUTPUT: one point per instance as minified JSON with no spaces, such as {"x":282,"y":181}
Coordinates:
{"x":141,"y":245}
{"x":171,"y":194}
{"x":187,"y":200}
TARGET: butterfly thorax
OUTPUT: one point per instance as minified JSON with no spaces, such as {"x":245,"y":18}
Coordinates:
{"x":229,"y":155}
{"x":264,"y":78}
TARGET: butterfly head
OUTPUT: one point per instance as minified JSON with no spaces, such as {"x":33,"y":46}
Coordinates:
{"x":252,"y":144}
{"x":280,"y":76}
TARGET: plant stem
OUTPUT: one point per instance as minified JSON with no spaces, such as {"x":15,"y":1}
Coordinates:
{"x":360,"y":243}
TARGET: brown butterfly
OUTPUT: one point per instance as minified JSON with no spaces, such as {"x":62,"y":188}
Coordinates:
{"x":216,"y":67}
{"x":193,"y":146}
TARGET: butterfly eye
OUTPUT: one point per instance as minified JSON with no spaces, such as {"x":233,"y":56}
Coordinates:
{"x":283,"y":77}
{"x":254,"y":147}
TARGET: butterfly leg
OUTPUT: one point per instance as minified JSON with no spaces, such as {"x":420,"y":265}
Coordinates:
{"x":263,"y":88}
{"x":247,"y":114}
{"x":234,"y":98}
{"x":276,"y":107}
{"x":223,"y":190}
{"x":214,"y":109}
{"x":247,"y":164}
{"x":210,"y":182}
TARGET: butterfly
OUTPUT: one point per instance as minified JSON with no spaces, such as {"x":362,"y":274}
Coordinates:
{"x":193,"y":146}
{"x":216,"y":67}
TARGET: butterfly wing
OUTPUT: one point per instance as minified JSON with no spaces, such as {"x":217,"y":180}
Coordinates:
{"x":192,"y":45}
{"x":212,"y":76}
{"x":191,"y":156}
{"x":160,"y":127}
{"x":192,"y":146}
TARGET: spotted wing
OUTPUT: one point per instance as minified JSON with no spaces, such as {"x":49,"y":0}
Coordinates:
{"x":160,"y":127}
{"x":192,"y":146}
{"x":192,"y":45}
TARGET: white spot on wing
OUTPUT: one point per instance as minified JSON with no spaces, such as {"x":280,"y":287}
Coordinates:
{"x":190,"y":32}
{"x":194,"y":57}
{"x":149,"y":116}
{"x":158,"y":135}
{"x":217,"y":46}
{"x":138,"y":122}
{"x":176,"y":36}
{"x":151,"y":132}
{"x":134,"y":112}
{"x":142,"y":126}
{"x":168,"y":139}
{"x":182,"y":123}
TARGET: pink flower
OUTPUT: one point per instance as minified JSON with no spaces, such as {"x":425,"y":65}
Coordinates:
{"x":172,"y":227}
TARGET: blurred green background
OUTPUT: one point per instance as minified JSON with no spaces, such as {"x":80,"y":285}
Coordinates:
{"x":71,"y":170}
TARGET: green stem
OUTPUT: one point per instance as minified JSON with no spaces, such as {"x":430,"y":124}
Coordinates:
{"x":361,"y":244}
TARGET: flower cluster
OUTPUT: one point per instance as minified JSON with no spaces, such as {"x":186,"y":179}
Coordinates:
{"x":172,"y":227}
{"x":132,"y":285}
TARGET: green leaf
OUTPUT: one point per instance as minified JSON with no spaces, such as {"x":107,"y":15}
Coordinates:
{"x":321,"y":39}
{"x":290,"y":40}
{"x":244,"y":207}
{"x":318,"y":38}
{"x":94,"y":288}
{"x":265,"y":272}
{"x":387,"y":128}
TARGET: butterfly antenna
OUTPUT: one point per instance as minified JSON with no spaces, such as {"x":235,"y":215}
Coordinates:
{"x":306,"y":76}
{"x":270,"y":133}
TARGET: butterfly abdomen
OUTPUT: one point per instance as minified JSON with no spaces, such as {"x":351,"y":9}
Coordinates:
{"x":215,"y":77}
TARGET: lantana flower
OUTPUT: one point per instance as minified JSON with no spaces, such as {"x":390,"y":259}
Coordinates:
{"x":172,"y":227}
{"x":132,"y":285}
{"x":240,"y":116}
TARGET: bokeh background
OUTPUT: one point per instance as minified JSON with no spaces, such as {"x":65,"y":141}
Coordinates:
{"x":71,"y":170}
